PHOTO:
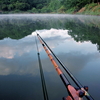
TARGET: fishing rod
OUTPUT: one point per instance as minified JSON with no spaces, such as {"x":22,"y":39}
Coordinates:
{"x":85,"y":88}
{"x":45,"y":94}
{"x":74,"y":94}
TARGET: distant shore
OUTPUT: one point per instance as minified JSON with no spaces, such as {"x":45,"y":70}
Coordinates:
{"x":90,"y":9}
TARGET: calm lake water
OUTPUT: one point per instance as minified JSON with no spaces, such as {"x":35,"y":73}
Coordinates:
{"x":75,"y":39}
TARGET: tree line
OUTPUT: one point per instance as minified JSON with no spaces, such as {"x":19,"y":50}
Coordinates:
{"x":8,"y":5}
{"x":43,"y":5}
{"x":77,"y":4}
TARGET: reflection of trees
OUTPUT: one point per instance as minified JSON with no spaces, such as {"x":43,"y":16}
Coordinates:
{"x":18,"y":28}
{"x":84,"y":28}
{"x":84,"y":32}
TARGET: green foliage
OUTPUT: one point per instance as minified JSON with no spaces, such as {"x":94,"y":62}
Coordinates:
{"x":22,"y":6}
{"x":45,"y":6}
{"x":4,"y":7}
{"x":90,"y":6}
{"x":91,"y":9}
{"x":44,"y":10}
{"x":62,"y":9}
{"x":75,"y":3}
{"x":34,"y":10}
{"x":11,"y":7}
{"x":33,"y":5}
{"x":71,"y":10}
{"x":39,"y":6}
{"x":54,"y":5}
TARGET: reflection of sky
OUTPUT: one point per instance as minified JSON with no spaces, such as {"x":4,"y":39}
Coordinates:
{"x":65,"y":42}
{"x":12,"y":47}
{"x":18,"y":57}
{"x":81,"y":58}
{"x":14,"y":54}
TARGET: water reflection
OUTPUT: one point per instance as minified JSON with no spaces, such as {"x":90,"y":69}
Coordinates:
{"x":19,"y":72}
{"x":77,"y":57}
{"x":83,"y":28}
{"x":13,"y":53}
{"x":74,"y":39}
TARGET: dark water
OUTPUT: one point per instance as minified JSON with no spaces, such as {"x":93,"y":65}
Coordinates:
{"x":74,"y":39}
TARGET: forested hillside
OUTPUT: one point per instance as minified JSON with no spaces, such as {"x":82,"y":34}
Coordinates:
{"x":43,"y":6}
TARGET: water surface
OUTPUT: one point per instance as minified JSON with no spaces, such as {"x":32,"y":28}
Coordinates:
{"x":74,"y":39}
